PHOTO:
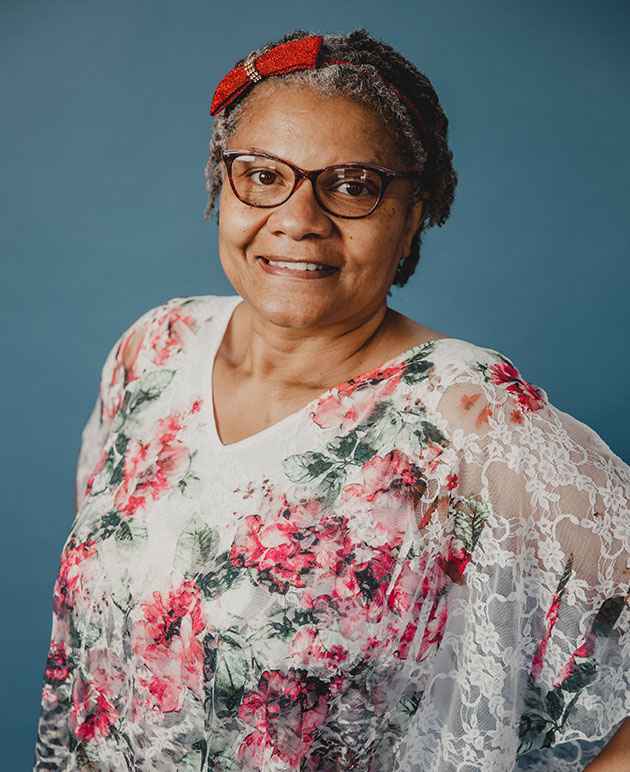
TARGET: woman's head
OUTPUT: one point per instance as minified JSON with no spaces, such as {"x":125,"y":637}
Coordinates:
{"x":379,"y":109}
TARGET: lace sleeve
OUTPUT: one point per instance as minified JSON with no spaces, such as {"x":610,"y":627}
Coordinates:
{"x":532,"y":669}
{"x":118,"y":369}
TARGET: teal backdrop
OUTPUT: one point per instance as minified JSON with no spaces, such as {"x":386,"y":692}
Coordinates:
{"x":104,"y":135}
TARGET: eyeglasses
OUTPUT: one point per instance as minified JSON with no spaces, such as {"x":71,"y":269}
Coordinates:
{"x":349,"y":190}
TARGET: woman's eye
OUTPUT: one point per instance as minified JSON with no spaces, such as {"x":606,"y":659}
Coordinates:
{"x":267,"y":176}
{"x":356,"y":189}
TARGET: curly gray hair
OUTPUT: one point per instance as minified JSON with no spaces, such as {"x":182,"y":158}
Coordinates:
{"x":420,"y":134}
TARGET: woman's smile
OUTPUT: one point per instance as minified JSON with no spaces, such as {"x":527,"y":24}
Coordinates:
{"x":295,"y":270}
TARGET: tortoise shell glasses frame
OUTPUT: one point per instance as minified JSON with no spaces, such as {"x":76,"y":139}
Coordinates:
{"x":384,"y":175}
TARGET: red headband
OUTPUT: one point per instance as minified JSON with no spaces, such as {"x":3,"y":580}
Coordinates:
{"x":300,"y":54}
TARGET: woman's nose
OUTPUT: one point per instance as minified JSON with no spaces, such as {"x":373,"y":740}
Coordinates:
{"x":301,"y":214}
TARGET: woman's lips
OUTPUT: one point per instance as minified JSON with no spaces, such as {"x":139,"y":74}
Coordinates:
{"x":276,"y":270}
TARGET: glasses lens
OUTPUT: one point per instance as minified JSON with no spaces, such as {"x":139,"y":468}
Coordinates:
{"x":261,"y":181}
{"x":351,"y":191}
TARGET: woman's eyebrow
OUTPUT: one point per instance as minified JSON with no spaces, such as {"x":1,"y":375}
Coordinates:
{"x":255,"y":149}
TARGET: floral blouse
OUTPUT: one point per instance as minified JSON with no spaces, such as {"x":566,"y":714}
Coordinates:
{"x":424,"y":569}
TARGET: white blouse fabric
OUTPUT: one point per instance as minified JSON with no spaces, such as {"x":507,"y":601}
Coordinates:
{"x":424,"y":569}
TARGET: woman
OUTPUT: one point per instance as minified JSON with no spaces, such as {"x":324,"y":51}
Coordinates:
{"x":312,"y":533}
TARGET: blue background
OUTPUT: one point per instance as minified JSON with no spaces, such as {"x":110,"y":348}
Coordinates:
{"x":104,"y":135}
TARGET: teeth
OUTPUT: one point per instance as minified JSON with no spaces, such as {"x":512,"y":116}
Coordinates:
{"x":300,"y":266}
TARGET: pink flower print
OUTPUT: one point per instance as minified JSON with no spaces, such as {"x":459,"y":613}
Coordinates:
{"x":273,"y":549}
{"x":528,"y":396}
{"x":585,"y":649}
{"x":127,"y":354}
{"x":551,"y":617}
{"x":439,"y":507}
{"x":50,"y":697}
{"x":169,"y":333}
{"x":58,"y":667}
{"x":352,"y":401}
{"x":380,"y":505}
{"x":454,"y":562}
{"x":284,"y":713}
{"x":68,"y":582}
{"x":167,"y":642}
{"x":373,"y":577}
{"x":371,"y":646}
{"x":307,"y":648}
{"x":402,"y":595}
{"x":405,"y":641}
{"x":344,"y":614}
{"x":539,"y":656}
{"x":452,"y":481}
{"x":332,"y":547}
{"x":151,"y":468}
{"x":89,"y":483}
{"x":92,"y":714}
{"x":430,"y":457}
{"x":123,"y":372}
{"x":432,"y":586}
{"x":434,"y":630}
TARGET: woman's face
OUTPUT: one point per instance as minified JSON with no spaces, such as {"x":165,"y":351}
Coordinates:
{"x":312,"y":131}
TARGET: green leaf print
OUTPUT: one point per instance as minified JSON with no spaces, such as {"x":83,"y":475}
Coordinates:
{"x":531,"y":727}
{"x":129,"y":531}
{"x":555,"y":704}
{"x":566,"y":575}
{"x":418,"y":366}
{"x":123,"y":532}
{"x":195,"y":546}
{"x":430,"y":433}
{"x":75,"y":635}
{"x":607,"y":616}
{"x":408,"y":704}
{"x":307,"y":466}
{"x":121,"y":443}
{"x":343,"y":445}
{"x":581,"y":676}
{"x":108,"y":525}
{"x":231,"y":676}
{"x":221,"y":576}
{"x":118,"y":473}
{"x":377,"y":414}
{"x":363,"y":452}
{"x":469,"y":516}
{"x":349,"y":448}
{"x":380,"y":429}
{"x":287,"y":624}
{"x":190,"y":484}
{"x":328,"y":489}
{"x":142,"y":391}
{"x":368,"y":584}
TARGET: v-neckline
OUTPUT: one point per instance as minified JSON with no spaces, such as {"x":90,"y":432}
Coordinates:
{"x":219,"y":330}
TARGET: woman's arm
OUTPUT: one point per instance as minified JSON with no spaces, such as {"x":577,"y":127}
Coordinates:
{"x":615,"y":757}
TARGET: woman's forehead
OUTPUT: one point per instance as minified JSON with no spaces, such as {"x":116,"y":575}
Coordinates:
{"x":316,"y":128}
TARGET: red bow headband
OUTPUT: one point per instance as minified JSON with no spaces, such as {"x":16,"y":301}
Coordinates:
{"x":300,"y":54}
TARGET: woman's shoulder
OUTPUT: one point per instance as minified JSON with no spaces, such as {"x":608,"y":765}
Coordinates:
{"x":470,"y":382}
{"x":197,"y":305}
{"x":451,"y":360}
{"x":171,"y":319}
